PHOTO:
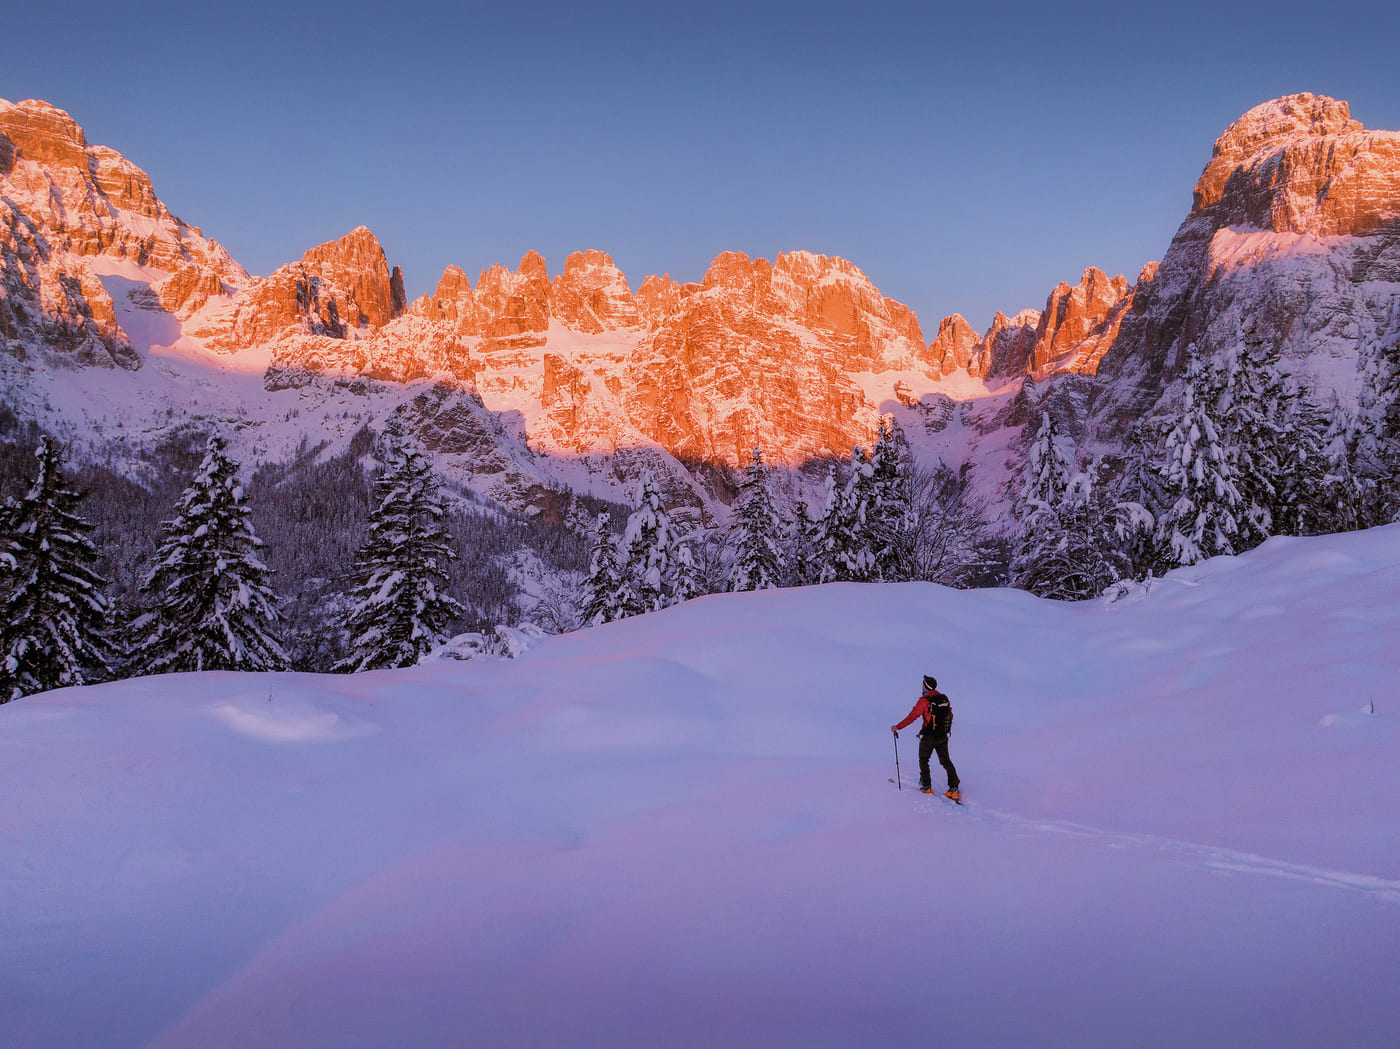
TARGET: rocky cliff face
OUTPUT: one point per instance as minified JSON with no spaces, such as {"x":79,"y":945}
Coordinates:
{"x":340,"y":290}
{"x":755,"y":353}
{"x":1294,"y":232}
{"x":592,"y":295}
{"x":1073,"y":332}
{"x":763,"y":354}
{"x":1079,"y":323}
{"x":73,"y":212}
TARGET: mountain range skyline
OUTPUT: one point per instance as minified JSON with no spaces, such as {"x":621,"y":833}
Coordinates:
{"x":965,"y":167}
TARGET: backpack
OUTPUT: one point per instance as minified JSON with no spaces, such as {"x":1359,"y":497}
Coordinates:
{"x":941,"y":722}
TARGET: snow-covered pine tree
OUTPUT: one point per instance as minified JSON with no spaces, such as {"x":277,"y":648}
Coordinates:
{"x":799,"y":546}
{"x":1139,"y":490}
{"x":576,"y":518}
{"x":650,"y":544}
{"x":826,"y":536}
{"x":398,"y":610}
{"x":602,"y":596}
{"x":1304,"y":499}
{"x":53,"y":609}
{"x":1346,"y":495}
{"x":688,"y":577}
{"x":209,"y":596}
{"x":1072,"y":551}
{"x":845,"y":548}
{"x":1049,"y":465}
{"x":857,"y":559}
{"x":894,"y":520}
{"x":754,"y":533}
{"x":1377,"y":425}
{"x":1048,"y":471}
{"x":1199,"y":476}
{"x":1250,"y":409}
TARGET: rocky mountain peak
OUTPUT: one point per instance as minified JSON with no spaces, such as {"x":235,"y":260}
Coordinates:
{"x":1299,"y":164}
{"x":1079,"y":323}
{"x":532,"y":265}
{"x":76,"y":214}
{"x":1295,"y":231}
{"x":43,"y":133}
{"x":735,"y":270}
{"x":340,"y":289}
{"x":658,"y":298}
{"x":592,"y":295}
{"x":356,"y":263}
{"x":452,"y":302}
{"x":956,"y":343}
{"x":1300,"y":114}
{"x":514,"y":308}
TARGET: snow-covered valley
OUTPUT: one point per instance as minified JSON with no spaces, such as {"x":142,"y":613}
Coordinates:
{"x":678,"y":829}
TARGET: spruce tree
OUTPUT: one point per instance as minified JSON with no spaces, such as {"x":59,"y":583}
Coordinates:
{"x":856,"y":559}
{"x":398,"y":610}
{"x":1040,"y":528}
{"x":53,"y":609}
{"x":1377,"y":426}
{"x":209,"y":596}
{"x":1199,"y":476}
{"x":827,"y":538}
{"x":800,"y":545}
{"x":845,"y":545}
{"x":650,"y":545}
{"x":1049,"y":465}
{"x":1304,"y":496}
{"x":1257,"y":417}
{"x":688,"y":576}
{"x":755,"y":532}
{"x":894,"y":522}
{"x":603,"y":597}
{"x":1346,"y":494}
{"x":1073,"y":550}
{"x":1140,"y":491}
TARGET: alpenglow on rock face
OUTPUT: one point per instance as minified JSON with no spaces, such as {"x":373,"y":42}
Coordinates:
{"x":800,"y":355}
{"x":70,"y":213}
{"x":1294,"y":233}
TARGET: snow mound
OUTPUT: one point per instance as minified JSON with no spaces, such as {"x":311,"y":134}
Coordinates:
{"x":1363,"y":718}
{"x":288,"y":717}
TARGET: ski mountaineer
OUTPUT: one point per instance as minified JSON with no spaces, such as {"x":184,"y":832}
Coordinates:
{"x":937,"y":712}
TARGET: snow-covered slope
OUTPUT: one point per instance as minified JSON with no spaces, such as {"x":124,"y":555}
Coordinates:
{"x":678,"y":830}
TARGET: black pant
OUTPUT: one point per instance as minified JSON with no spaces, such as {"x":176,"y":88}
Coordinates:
{"x":927,"y":746}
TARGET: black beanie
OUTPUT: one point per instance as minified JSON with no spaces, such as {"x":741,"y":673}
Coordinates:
{"x":930,"y":683}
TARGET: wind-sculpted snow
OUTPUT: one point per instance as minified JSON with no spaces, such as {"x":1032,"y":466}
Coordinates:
{"x":678,"y":830}
{"x":288,"y":718}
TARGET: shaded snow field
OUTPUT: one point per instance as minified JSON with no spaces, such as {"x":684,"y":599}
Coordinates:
{"x":1181,"y":829}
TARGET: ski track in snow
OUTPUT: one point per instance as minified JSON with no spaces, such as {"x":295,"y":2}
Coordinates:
{"x":1208,"y":857}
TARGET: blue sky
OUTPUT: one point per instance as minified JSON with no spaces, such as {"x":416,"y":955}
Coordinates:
{"x":967,"y":158}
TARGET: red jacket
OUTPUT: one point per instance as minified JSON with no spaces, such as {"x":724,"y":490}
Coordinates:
{"x":922,"y":709}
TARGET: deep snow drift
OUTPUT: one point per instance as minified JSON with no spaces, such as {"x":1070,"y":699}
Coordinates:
{"x":1181,"y":829}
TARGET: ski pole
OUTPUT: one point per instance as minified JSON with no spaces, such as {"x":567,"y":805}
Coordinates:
{"x":897,"y":782}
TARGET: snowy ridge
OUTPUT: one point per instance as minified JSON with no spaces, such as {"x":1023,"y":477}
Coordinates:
{"x":680,"y":826}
